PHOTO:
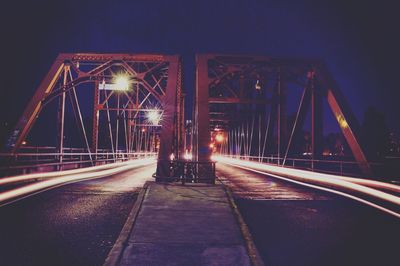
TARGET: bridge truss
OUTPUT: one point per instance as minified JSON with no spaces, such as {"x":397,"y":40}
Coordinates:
{"x":247,"y":95}
{"x":136,"y":103}
{"x":234,"y":96}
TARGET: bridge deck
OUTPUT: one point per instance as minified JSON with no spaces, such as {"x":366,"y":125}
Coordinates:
{"x":193,"y":224}
{"x":297,"y":225}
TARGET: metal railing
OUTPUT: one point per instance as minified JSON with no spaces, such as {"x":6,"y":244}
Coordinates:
{"x":45,"y":159}
{"x":389,"y":169}
{"x":189,"y":172}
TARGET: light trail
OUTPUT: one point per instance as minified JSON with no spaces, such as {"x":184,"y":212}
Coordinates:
{"x":305,"y":178}
{"x":32,"y":189}
{"x":371,"y":183}
{"x":19,"y":178}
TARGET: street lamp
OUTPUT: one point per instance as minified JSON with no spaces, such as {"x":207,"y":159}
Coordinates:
{"x":153,"y":116}
{"x":121,"y":82}
{"x":219,"y":138}
{"x":258,"y":85}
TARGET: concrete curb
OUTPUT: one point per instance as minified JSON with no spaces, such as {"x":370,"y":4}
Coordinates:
{"x":117,"y":250}
{"x":254,"y":255}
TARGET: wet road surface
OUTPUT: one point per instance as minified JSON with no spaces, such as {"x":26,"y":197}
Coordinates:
{"x":76,"y":224}
{"x":295,"y":225}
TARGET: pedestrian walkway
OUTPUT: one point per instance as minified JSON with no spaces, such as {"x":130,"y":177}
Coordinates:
{"x":172,"y":224}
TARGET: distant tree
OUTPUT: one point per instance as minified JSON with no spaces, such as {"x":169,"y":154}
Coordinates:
{"x":334,"y":143}
{"x":307,"y":146}
{"x":5,"y":131}
{"x":375,"y":134}
{"x":393,"y":145}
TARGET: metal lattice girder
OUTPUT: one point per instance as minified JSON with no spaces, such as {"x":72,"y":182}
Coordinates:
{"x":224,"y":80}
{"x":156,"y":81}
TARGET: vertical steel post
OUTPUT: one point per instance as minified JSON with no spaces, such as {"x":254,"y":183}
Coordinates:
{"x":117,"y":126}
{"x":316,"y":122}
{"x":179,"y":134}
{"x":183,"y":126}
{"x":203,"y":151}
{"x":95,"y":125}
{"x":130,"y":122}
{"x":283,"y":115}
{"x":279,"y":121}
{"x":61,"y":116}
{"x":169,"y":106}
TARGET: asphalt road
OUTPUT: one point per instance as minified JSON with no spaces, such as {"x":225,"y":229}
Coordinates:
{"x":76,"y":224}
{"x":295,"y":225}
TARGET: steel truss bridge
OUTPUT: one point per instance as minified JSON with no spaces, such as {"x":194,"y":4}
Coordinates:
{"x":113,"y":108}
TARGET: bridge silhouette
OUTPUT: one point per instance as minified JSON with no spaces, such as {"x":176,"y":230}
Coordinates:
{"x":100,"y":115}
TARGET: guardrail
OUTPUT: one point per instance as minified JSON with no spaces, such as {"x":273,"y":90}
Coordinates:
{"x":350,"y":187}
{"x":389,"y":170}
{"x":44,"y":181}
{"x":45,"y":159}
{"x":189,"y":172}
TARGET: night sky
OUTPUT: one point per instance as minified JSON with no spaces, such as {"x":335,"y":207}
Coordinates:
{"x":359,"y":41}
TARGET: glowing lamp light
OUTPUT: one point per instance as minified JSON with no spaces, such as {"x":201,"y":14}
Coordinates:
{"x":219,"y":138}
{"x":153,"y":117}
{"x":172,"y":157}
{"x":342,"y":121}
{"x":211,"y":145}
{"x":188,"y":156}
{"x":258,"y":85}
{"x":121,"y":82}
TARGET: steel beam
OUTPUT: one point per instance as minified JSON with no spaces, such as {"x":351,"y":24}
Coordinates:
{"x":95,"y":125}
{"x":169,"y":105}
{"x":316,"y":120}
{"x":347,"y":129}
{"x":31,"y":112}
{"x":60,"y":118}
{"x":282,"y":114}
{"x":203,"y":151}
{"x":345,"y":118}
